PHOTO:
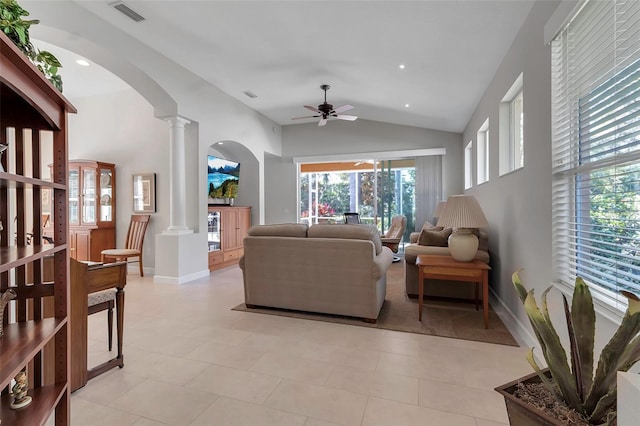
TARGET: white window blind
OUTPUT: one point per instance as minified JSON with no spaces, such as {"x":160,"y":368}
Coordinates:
{"x":596,"y":149}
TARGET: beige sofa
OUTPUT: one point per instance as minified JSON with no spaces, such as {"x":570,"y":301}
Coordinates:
{"x":439,"y":288}
{"x":332,"y":269}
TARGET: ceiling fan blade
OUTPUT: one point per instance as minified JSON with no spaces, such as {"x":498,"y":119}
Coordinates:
{"x":322,"y":122}
{"x":308,"y":116}
{"x":346,"y":117}
{"x":314,"y":109}
{"x":343,"y":108}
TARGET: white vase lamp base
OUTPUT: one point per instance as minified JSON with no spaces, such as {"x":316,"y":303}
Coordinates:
{"x":463,"y":245}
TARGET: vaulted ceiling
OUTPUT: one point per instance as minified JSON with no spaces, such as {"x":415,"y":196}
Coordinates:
{"x":282,"y":51}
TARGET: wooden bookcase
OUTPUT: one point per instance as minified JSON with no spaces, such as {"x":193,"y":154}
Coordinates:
{"x":227,"y":227}
{"x":36,"y":329}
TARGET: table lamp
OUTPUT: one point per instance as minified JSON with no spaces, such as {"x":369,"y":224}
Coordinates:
{"x":462,"y":212}
{"x":439,"y":210}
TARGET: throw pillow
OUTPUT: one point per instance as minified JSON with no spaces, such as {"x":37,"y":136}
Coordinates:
{"x":430,"y":237}
{"x":429,"y":226}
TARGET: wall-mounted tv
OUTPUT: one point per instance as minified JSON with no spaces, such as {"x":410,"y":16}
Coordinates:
{"x":223,"y":177}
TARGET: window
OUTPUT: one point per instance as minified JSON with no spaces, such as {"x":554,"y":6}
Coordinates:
{"x":376,"y":190}
{"x":596,"y":150}
{"x":483,"y":153}
{"x":512,"y":129}
{"x":468,"y":158}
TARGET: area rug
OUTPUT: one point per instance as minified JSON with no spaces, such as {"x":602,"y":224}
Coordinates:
{"x":445,"y":318}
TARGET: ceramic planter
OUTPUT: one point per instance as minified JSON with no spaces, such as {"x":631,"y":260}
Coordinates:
{"x":520,"y":413}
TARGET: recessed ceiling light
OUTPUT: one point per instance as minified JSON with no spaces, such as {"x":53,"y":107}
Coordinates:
{"x":220,"y":143}
{"x":83,"y":62}
{"x":401,"y":66}
{"x":407,"y":105}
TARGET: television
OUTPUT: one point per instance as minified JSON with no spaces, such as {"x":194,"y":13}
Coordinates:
{"x":223,"y":177}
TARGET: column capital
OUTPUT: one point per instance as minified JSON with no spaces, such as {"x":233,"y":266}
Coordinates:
{"x":176,"y":121}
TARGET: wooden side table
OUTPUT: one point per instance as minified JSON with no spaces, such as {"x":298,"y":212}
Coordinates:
{"x":446,"y":268}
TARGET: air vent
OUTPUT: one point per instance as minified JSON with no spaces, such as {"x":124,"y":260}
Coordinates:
{"x":126,"y":10}
{"x":250,"y":94}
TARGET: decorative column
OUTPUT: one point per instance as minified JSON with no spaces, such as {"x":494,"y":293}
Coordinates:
{"x":177,"y":177}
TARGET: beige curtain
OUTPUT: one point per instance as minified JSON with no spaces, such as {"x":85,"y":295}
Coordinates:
{"x":428,"y":188}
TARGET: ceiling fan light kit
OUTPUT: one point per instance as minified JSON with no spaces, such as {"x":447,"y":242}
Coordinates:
{"x":326,"y":110}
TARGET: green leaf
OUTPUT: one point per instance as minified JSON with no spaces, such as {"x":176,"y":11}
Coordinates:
{"x":543,"y":377}
{"x":522,"y":292}
{"x":605,"y":378}
{"x":630,"y":356}
{"x":576,"y":366}
{"x":583,"y":317}
{"x":604,"y":404}
{"x":21,"y":35}
{"x":554,"y":354}
{"x":48,"y":58}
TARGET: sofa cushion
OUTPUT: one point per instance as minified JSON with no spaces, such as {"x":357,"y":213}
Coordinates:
{"x":431,"y":227}
{"x":430,"y":237}
{"x":353,"y":232}
{"x":298,"y":230}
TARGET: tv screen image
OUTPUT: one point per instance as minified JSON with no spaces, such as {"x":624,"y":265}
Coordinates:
{"x":223,"y":177}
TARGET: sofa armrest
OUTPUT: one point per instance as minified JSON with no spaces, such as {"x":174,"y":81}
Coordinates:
{"x":382,"y":262}
{"x":413,"y":237}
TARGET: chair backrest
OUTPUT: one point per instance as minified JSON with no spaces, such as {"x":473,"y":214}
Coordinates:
{"x":137,"y":228}
{"x":397,"y":228}
{"x":351,"y":217}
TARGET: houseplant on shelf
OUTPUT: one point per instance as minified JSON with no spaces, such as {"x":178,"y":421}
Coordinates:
{"x":17,"y":29}
{"x":590,"y":398}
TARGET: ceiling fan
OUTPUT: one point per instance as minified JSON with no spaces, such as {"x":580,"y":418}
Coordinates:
{"x":326,"y":110}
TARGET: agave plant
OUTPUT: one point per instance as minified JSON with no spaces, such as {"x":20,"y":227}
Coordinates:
{"x":591,"y":395}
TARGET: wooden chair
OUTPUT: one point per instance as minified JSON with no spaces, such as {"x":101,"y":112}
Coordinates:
{"x":100,"y":301}
{"x":133,"y":244}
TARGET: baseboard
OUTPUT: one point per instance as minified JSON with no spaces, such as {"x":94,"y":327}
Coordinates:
{"x":181,"y":280}
{"x":518,"y":330}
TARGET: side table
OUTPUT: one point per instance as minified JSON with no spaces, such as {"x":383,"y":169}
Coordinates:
{"x":446,"y":268}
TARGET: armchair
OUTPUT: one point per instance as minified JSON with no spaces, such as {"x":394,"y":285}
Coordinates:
{"x":394,"y":234}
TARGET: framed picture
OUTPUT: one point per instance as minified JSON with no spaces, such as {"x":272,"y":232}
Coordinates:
{"x":144,"y":193}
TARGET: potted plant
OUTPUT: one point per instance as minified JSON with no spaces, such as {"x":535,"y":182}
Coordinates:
{"x":17,"y":29}
{"x":574,"y":391}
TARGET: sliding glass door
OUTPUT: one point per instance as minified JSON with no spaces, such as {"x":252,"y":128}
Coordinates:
{"x":376,"y":190}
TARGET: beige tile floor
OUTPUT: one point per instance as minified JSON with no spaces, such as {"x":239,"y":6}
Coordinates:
{"x":191,"y":360}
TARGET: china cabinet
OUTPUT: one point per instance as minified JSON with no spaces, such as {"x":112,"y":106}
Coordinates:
{"x":92,"y":204}
{"x":33,"y":120}
{"x":227,"y":227}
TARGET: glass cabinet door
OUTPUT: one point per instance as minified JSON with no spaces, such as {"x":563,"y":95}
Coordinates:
{"x":106,"y":195}
{"x":213,"y":231}
{"x":74,"y":196}
{"x":89,"y":196}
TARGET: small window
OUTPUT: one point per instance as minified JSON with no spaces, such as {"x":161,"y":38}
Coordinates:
{"x":512,"y":129}
{"x":468,"y":161}
{"x":483,"y":153}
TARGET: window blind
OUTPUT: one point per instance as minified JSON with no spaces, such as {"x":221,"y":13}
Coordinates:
{"x":596,"y":149}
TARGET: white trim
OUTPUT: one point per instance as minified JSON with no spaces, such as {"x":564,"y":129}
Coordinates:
{"x":381,"y":155}
{"x":564,"y":14}
{"x":180,"y":280}
{"x":518,"y":330}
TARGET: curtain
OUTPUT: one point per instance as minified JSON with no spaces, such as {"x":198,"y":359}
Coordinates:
{"x":428,"y":187}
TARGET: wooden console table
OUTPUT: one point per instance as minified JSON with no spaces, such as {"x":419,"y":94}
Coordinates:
{"x":446,"y":268}
{"x":89,"y":278}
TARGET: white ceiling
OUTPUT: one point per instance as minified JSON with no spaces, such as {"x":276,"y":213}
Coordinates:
{"x":283,"y":51}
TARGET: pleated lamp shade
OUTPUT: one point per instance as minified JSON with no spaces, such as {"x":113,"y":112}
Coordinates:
{"x":439,"y":209}
{"x":463,"y":212}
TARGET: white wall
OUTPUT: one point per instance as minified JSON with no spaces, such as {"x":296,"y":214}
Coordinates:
{"x":341,"y":137}
{"x":518,"y":205}
{"x":120,"y":128}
